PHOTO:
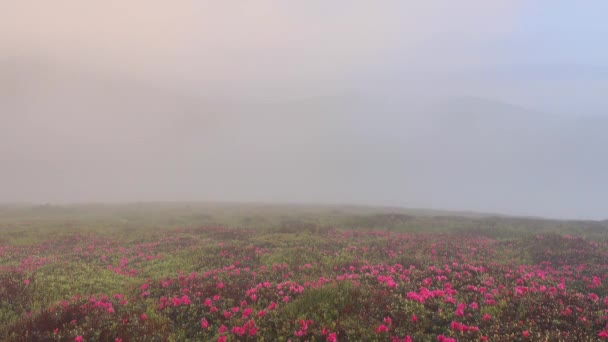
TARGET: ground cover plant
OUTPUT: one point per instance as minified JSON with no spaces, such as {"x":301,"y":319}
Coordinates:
{"x":297,"y":280}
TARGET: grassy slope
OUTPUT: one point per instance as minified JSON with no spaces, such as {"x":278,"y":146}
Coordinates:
{"x":21,"y":224}
{"x":63,"y":233}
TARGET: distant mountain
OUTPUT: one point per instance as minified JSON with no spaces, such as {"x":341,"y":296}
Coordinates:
{"x":450,"y":153}
{"x":123,"y":139}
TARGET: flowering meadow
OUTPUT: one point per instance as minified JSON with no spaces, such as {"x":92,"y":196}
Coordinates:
{"x":312,"y":283}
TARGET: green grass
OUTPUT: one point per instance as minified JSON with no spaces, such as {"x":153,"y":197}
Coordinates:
{"x":25,"y":225}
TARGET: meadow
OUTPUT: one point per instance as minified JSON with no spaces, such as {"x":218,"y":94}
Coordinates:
{"x":211,"y":272}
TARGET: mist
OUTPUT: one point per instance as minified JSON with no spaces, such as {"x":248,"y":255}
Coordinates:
{"x":483,"y":106}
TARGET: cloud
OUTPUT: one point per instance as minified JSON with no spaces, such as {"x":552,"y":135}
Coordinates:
{"x":249,"y":46}
{"x":436,"y":103}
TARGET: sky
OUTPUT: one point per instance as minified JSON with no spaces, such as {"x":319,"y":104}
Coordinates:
{"x":357,"y":102}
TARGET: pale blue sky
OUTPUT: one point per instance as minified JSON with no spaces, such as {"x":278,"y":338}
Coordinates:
{"x":564,"y":32}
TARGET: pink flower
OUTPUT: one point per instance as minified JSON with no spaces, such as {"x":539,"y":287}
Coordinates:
{"x":26,"y":281}
{"x":143,"y":317}
{"x":332,"y":338}
{"x":457,"y":326}
{"x":525,"y":333}
{"x":460,"y":309}
{"x":222,"y":339}
{"x":596,"y":282}
{"x":388,"y":320}
{"x":78,"y":338}
{"x":204,"y":324}
{"x":304,"y":325}
{"x":222,"y":329}
{"x":381,"y":329}
{"x":247,"y":312}
{"x":118,"y":339}
{"x":240,"y":331}
{"x":603,"y":334}
{"x":414,"y":319}
{"x":486,"y":317}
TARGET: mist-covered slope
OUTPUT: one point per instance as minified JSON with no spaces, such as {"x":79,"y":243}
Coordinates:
{"x":69,"y":135}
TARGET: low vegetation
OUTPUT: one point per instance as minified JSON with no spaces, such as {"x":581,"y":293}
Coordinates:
{"x":188,"y":274}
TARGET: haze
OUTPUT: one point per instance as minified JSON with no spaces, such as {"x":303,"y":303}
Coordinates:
{"x":490,"y":106}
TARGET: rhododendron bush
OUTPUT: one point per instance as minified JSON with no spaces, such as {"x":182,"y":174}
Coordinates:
{"x":229,"y":284}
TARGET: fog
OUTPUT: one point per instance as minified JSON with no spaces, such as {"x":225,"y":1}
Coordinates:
{"x":490,"y":106}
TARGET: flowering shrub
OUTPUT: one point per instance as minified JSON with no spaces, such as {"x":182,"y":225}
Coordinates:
{"x":221,"y":284}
